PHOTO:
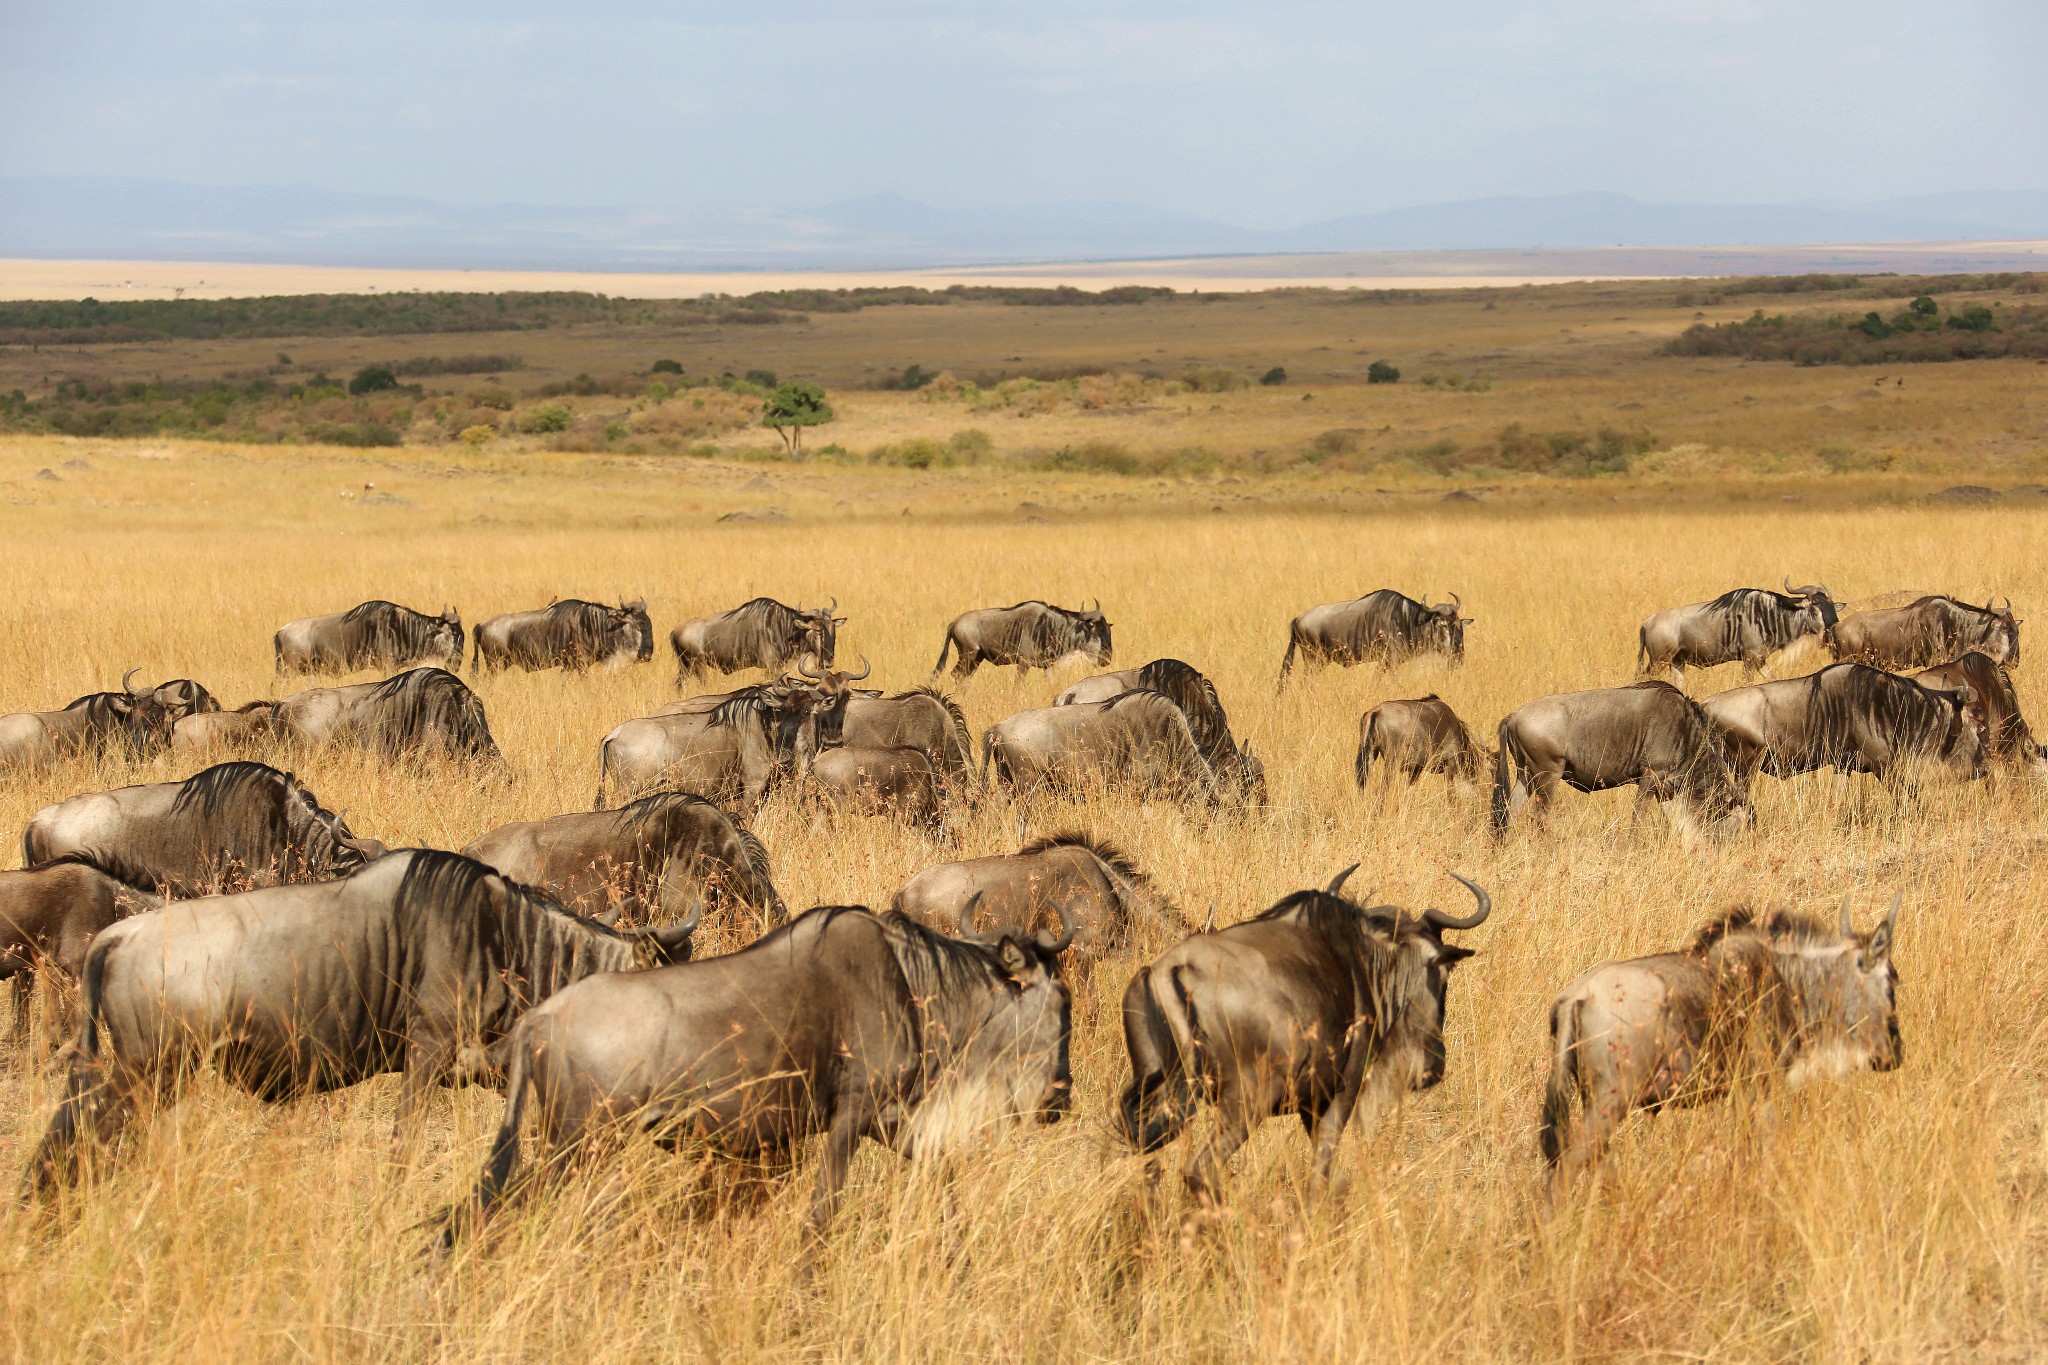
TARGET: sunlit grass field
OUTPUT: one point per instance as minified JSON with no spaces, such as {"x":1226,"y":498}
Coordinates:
{"x":1892,"y":1217}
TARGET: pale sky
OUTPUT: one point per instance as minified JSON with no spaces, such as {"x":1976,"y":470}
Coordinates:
{"x":1260,"y":115}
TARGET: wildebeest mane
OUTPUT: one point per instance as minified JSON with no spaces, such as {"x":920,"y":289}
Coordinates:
{"x":1195,"y":695}
{"x":952,"y":707}
{"x":742,"y":706}
{"x":394,"y":632}
{"x":211,"y":791}
{"x":766,"y":612}
{"x":427,"y":700}
{"x":1108,"y":853}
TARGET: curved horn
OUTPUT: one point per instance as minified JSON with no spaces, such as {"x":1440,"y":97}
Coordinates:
{"x":803,"y":665}
{"x":1891,"y":916}
{"x":1790,"y":591}
{"x":968,"y":914}
{"x":127,"y":685}
{"x":1336,"y":886}
{"x":1067,"y":927}
{"x":834,"y":607}
{"x":1456,"y":602}
{"x":688,"y":923}
{"x":1437,"y":919}
{"x":610,"y":918}
{"x":1848,"y":925}
{"x":865,"y":669}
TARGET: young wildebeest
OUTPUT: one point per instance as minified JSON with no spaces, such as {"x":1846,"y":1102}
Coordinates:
{"x":670,"y":850}
{"x":1140,"y":740}
{"x":139,"y":719}
{"x":1850,"y":717}
{"x":1746,"y":999}
{"x":1030,"y":635}
{"x":230,"y":826}
{"x":1300,"y":1011}
{"x":922,"y":718}
{"x":1927,"y":632}
{"x":1383,"y":627}
{"x":762,"y":634}
{"x":1750,"y":624}
{"x":872,"y":779}
{"x":1994,"y":709}
{"x":1417,"y":737}
{"x":428,"y":712}
{"x":843,"y":1023}
{"x":246,"y":728}
{"x":417,"y":963}
{"x":1648,"y":734}
{"x":380,"y":635}
{"x":48,"y":915}
{"x":571,"y":634}
{"x":1193,"y":693}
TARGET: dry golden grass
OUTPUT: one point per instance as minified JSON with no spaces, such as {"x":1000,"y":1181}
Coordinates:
{"x":1881,"y":1218}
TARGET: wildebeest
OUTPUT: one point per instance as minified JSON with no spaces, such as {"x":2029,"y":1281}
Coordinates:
{"x":922,"y":718}
{"x":1030,"y":635}
{"x":1648,"y":734}
{"x":418,"y":964}
{"x":1929,"y":631}
{"x":1060,"y":878}
{"x":1300,"y":1010}
{"x":1750,"y":624}
{"x":733,"y":751}
{"x":1187,"y":688}
{"x":871,"y":779}
{"x":1423,"y":735}
{"x":1994,"y":709}
{"x":1383,"y":627}
{"x":1139,"y":740}
{"x":843,"y":1023}
{"x":571,"y":634}
{"x":761,"y":634}
{"x":427,"y":711}
{"x":232,"y":825}
{"x":669,"y":850}
{"x":1851,"y":717}
{"x":378,"y":634}
{"x":245,"y":728}
{"x":1749,"y":997}
{"x":48,"y":915}
{"x":138,"y":720}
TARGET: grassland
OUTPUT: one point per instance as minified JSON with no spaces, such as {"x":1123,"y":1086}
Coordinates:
{"x":1896,"y":1217}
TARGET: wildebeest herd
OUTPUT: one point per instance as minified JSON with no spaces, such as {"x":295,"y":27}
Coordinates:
{"x":231,"y":919}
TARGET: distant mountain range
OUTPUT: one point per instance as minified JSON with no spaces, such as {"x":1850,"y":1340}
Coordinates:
{"x":84,"y":217}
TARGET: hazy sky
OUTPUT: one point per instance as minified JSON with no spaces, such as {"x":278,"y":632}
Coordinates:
{"x":1263,"y":114}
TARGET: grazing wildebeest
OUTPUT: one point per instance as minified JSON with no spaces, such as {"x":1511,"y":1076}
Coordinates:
{"x":1383,"y":627}
{"x":1185,"y":686}
{"x":1851,"y":717}
{"x":379,"y":635}
{"x":1748,"y":999}
{"x":232,"y":825}
{"x":418,"y":964}
{"x":667,"y":851}
{"x":762,"y":634}
{"x":1300,"y":1010}
{"x":1140,"y":740}
{"x":1648,"y":734}
{"x":1029,"y":635}
{"x":426,"y":712}
{"x":1068,"y":877}
{"x":843,"y":1023}
{"x":571,"y":634}
{"x":246,"y":727}
{"x":871,"y":779}
{"x":735,"y":750}
{"x":1994,"y":709}
{"x":48,"y":915}
{"x":137,"y":719}
{"x":922,"y":718}
{"x":1927,"y":632}
{"x":1750,"y":624}
{"x":1416,"y":737}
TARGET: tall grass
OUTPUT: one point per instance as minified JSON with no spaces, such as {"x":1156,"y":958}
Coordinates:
{"x":1883,"y":1217}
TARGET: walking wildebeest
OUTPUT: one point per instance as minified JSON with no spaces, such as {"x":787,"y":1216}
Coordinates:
{"x":1994,"y":709}
{"x":1648,"y":734}
{"x":1383,"y":627}
{"x":1850,"y":717}
{"x":1750,"y":624}
{"x":1068,"y":877}
{"x":735,"y":750}
{"x":871,"y":779}
{"x":571,"y":634}
{"x":1029,"y":635}
{"x":232,"y":825}
{"x":667,"y":851}
{"x":1747,"y":999}
{"x":138,"y":719}
{"x":762,"y":634}
{"x":843,"y":1023}
{"x":1928,"y":632}
{"x":1139,"y":740}
{"x":380,"y":635}
{"x":1301,"y":1010}
{"x":1416,"y":737}
{"x":418,"y":964}
{"x":48,"y":915}
{"x":426,"y":712}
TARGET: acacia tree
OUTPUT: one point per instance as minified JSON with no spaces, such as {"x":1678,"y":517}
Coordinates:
{"x":791,"y":408}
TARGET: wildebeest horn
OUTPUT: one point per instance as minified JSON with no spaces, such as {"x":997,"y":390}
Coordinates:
{"x":968,"y":912}
{"x":1067,"y":927}
{"x":1848,"y":925}
{"x":1456,"y":602}
{"x":1437,"y":919}
{"x":803,"y":665}
{"x":834,"y":607}
{"x":1209,"y":923}
{"x":688,"y":923}
{"x":1337,"y":882}
{"x":1790,"y":591}
{"x":610,"y":918}
{"x":1891,"y":916}
{"x":126,"y":685}
{"x":865,"y":669}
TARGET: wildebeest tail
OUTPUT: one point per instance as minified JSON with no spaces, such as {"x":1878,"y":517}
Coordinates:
{"x":1643,"y":648}
{"x":1361,"y":767}
{"x":1554,"y":1132}
{"x":1160,"y":1099}
{"x":773,"y":910}
{"x":1287,"y":659}
{"x":944,"y":650}
{"x":604,"y":753}
{"x":1503,"y":778}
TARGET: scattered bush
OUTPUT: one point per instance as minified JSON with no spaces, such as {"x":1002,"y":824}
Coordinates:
{"x":545,"y":417}
{"x":1380,"y":372}
{"x":791,"y":408}
{"x":1916,"y":333}
{"x":1104,"y":457}
{"x":1273,"y":377}
{"x":1337,"y":441}
{"x":475,"y":436}
{"x":1606,"y":451}
{"x":764,"y":378}
{"x":490,"y":396}
{"x":372,"y":379}
{"x":666,"y":367}
{"x":1214,"y":380}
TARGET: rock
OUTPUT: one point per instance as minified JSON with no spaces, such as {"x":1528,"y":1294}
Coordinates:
{"x":1966,"y":493}
{"x":49,"y":476}
{"x":758,"y":514}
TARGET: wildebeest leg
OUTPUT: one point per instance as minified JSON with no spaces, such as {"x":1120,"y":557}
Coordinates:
{"x":840,"y":1140}
{"x":1678,"y":675}
{"x":1234,"y":1120}
{"x":96,"y":1107}
{"x":1328,"y":1126}
{"x":426,"y":1062}
{"x":23,"y":985}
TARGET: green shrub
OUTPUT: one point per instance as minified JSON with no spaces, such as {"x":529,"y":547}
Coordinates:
{"x":490,"y":396}
{"x":1214,"y":380}
{"x":1380,"y":372}
{"x":666,"y":367}
{"x":1273,"y":377}
{"x":1571,"y":453}
{"x":764,"y":378}
{"x":1103,"y":457}
{"x":970,"y":445}
{"x":372,"y":379}
{"x":545,"y":417}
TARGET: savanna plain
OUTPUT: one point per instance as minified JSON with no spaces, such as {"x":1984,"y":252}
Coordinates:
{"x":1880,"y":1217}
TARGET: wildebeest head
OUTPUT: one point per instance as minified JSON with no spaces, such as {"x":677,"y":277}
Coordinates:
{"x":1816,"y":610}
{"x":1025,"y":1035}
{"x":629,"y":628}
{"x":1845,"y":994}
{"x":820,"y":632}
{"x":1959,"y":746}
{"x":2000,"y":634}
{"x":1444,"y":630}
{"x":138,"y":714}
{"x":1414,"y":982}
{"x":816,"y":706}
{"x":446,"y":638}
{"x":1251,"y":776}
{"x":1094,"y":626}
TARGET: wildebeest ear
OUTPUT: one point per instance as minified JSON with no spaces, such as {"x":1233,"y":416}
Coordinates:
{"x":1450,"y":955}
{"x":1879,"y":949}
{"x":637,"y":604}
